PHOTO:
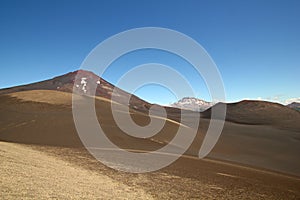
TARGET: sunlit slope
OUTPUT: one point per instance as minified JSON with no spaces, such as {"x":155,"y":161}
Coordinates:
{"x":45,"y":117}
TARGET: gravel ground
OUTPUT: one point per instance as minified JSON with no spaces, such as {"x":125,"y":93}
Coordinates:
{"x":45,"y":172}
{"x":32,"y":174}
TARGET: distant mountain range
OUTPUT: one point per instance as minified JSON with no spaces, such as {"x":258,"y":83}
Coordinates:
{"x":199,"y":105}
{"x":247,"y":111}
{"x":84,"y":82}
{"x":192,"y":103}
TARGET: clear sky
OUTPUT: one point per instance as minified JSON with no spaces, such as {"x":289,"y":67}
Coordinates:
{"x":255,"y":44}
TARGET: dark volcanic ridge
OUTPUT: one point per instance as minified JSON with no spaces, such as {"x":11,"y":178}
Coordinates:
{"x":85,"y":83}
{"x":260,"y":113}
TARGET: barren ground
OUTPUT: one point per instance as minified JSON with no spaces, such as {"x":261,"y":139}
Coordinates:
{"x":41,"y":157}
{"x":44,"y":172}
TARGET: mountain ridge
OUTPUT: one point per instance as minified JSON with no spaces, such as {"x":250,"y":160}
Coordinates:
{"x":258,"y":112}
{"x":85,"y":83}
{"x":245,"y":112}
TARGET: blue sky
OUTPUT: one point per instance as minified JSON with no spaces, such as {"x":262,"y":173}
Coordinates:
{"x":255,"y":44}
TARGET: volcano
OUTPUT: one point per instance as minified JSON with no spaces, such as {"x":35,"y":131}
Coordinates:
{"x":85,"y":83}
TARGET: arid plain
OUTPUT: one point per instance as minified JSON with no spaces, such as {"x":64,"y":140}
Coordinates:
{"x":42,"y":155}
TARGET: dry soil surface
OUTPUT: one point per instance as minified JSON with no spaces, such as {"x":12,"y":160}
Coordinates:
{"x":32,"y":174}
{"x":45,"y":172}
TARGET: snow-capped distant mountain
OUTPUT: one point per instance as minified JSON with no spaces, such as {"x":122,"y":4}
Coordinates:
{"x":192,"y":103}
